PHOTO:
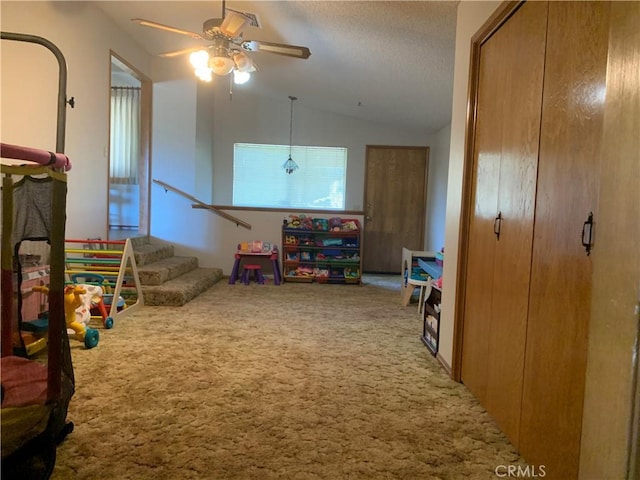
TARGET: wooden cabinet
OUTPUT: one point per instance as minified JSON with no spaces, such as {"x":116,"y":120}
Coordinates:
{"x":527,"y":289}
{"x":324,"y":255}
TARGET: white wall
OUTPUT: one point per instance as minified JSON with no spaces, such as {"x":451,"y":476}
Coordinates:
{"x":471,"y":16}
{"x":437,"y":190}
{"x":29,"y":86}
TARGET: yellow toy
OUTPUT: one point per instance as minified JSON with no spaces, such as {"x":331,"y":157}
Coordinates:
{"x":72,"y":301}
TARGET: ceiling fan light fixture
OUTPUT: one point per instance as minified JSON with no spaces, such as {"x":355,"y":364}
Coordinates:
{"x":224,"y":55}
{"x":240,"y":77}
{"x":221,"y":65}
{"x":199,"y":59}
{"x":205,"y":74}
{"x":243,"y":62}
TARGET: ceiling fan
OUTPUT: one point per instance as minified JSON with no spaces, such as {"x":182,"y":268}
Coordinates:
{"x":225,"y":54}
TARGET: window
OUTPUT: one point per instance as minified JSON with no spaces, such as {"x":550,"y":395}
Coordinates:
{"x":260,"y":181}
{"x":125,"y":134}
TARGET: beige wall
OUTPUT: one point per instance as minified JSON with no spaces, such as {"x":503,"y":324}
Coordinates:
{"x":471,"y":16}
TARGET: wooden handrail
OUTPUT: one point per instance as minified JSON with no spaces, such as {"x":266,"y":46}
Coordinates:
{"x":199,"y":204}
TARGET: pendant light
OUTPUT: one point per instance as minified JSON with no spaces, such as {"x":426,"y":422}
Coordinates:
{"x":290,"y":166}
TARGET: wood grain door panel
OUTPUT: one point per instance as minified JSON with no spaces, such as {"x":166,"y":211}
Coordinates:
{"x":521,"y":84}
{"x":482,"y":241}
{"x":560,"y":296}
{"x":395,"y":202}
{"x":506,"y":142}
{"x":613,"y":329}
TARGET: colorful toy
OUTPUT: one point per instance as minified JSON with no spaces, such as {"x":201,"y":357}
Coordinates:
{"x":72,"y":301}
{"x":351,"y":273}
{"x":321,"y":272}
{"x":304,"y":271}
{"x":349,"y":226}
{"x":321,"y":224}
{"x":93,"y":306}
{"x":290,"y":240}
{"x":335,"y":224}
{"x":299,"y":221}
{"x":96,"y":301}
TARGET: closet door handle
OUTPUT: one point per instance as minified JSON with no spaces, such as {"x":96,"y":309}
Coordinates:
{"x":497,"y":225}
{"x":587,"y":234}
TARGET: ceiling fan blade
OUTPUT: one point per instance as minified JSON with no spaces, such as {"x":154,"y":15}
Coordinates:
{"x":233,"y":23}
{"x":177,"y":53}
{"x":279,"y":48}
{"x":149,"y":23}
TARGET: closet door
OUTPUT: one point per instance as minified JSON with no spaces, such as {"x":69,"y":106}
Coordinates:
{"x":568,"y":177}
{"x":482,"y":243}
{"x":501,"y":228}
{"x":613,"y":329}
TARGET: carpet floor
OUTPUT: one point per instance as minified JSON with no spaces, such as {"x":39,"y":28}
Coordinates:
{"x":298,"y":381}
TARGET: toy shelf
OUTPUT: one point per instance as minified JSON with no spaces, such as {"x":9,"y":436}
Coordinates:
{"x":431,"y":320}
{"x":322,"y":255}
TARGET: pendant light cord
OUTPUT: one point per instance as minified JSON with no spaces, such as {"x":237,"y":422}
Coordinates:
{"x":291,"y":125}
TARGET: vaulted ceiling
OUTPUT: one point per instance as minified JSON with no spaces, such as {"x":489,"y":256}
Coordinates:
{"x":388,"y":62}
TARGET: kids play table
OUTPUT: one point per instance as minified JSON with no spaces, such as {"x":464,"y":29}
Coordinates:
{"x":251,"y":256}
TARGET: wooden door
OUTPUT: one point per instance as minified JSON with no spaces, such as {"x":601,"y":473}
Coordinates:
{"x":395,"y":205}
{"x":568,"y":179}
{"x":521,"y":95}
{"x":482,"y":241}
{"x":506,"y":152}
{"x":613,"y":328}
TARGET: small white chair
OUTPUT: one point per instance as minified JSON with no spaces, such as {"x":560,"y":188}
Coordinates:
{"x":425,"y":291}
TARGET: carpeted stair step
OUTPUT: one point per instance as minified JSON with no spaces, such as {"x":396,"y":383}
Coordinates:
{"x":150,"y":253}
{"x":157,"y":273}
{"x":138,"y":241}
{"x":182,"y":289}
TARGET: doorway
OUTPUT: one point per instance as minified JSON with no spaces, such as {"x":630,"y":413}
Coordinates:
{"x":128,"y":194}
{"x":395,"y":205}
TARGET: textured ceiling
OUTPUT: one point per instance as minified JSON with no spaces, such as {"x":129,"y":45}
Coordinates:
{"x":388,"y":62}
